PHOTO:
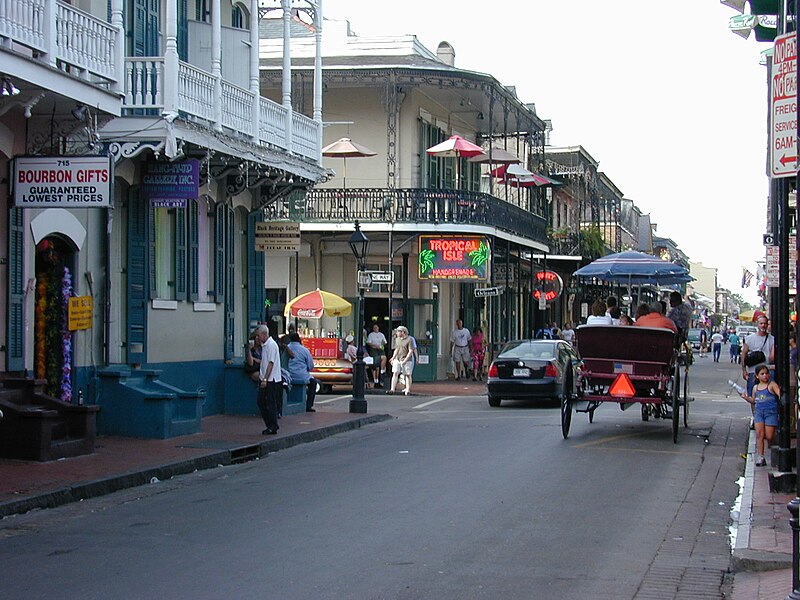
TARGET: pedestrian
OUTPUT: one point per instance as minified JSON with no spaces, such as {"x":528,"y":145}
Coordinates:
{"x":735,"y":348}
{"x":612,"y":310}
{"x":459,"y":349}
{"x":351,"y":352}
{"x":402,"y":360}
{"x":764,"y":399}
{"x":716,"y":345}
{"x":599,"y":315}
{"x":568,"y":333}
{"x":252,"y":358}
{"x":478,"y":350}
{"x":269,"y":385}
{"x":300,"y":366}
{"x":760,"y":341}
{"x":703,"y":341}
{"x":376,"y":345}
{"x":625,"y":320}
{"x":642,"y":310}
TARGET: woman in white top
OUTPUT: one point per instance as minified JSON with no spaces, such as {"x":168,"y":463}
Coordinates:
{"x":599,"y":315}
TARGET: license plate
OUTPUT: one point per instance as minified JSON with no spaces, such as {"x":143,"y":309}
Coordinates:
{"x":522,"y":372}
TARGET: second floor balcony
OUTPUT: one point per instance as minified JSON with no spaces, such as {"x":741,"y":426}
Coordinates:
{"x":424,"y":207}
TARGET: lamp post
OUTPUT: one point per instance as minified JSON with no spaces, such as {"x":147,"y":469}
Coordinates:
{"x":359,"y":243}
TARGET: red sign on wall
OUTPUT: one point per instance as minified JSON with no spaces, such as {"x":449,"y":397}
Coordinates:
{"x":464,"y":257}
{"x":548,"y":283}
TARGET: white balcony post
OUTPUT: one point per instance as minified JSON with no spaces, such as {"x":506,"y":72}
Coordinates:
{"x":170,"y":80}
{"x":119,"y":46}
{"x":216,"y":61}
{"x":49,"y":31}
{"x":318,"y":77}
{"x":255,"y":87}
{"x":287,"y":69}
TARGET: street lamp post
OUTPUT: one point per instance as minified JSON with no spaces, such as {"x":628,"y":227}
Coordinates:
{"x":359,"y":243}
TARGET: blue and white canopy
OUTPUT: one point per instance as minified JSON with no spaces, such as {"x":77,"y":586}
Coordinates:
{"x":636,"y":268}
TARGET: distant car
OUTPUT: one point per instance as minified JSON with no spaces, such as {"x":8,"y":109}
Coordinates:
{"x":532,"y":369}
{"x":332,"y":371}
{"x":693,"y":337}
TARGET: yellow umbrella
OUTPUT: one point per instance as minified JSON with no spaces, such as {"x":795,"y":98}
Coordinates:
{"x":316,"y":304}
{"x":749,"y":316}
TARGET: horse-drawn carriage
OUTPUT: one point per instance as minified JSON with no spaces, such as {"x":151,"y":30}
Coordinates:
{"x":630,"y":366}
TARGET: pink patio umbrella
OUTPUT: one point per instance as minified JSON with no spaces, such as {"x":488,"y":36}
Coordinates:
{"x":518,"y":176}
{"x":345,"y":148}
{"x":455,"y":147}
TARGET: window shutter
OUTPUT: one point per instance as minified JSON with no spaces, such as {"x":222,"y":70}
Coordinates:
{"x":255,"y":271}
{"x":15,"y":354}
{"x":219,"y":253}
{"x":193,"y":264}
{"x":230,"y":279}
{"x":180,"y":254}
{"x":183,"y":30}
{"x":139,"y":272}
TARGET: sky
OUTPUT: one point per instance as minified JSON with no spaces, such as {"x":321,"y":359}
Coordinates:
{"x":671,"y":103}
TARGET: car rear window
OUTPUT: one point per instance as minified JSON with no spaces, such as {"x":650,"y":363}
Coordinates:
{"x":527,"y":351}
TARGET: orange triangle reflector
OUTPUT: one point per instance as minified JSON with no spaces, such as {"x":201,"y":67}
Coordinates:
{"x":622,"y":387}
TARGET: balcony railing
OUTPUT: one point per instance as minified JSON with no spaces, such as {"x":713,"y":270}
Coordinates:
{"x":430,"y":206}
{"x":61,"y":36}
{"x":144,"y":94}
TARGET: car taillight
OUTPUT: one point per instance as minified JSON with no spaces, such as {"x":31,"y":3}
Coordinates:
{"x":550,"y":370}
{"x":493,"y":370}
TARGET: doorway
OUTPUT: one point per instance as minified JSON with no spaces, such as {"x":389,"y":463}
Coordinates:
{"x":423,"y":324}
{"x":52,"y":337}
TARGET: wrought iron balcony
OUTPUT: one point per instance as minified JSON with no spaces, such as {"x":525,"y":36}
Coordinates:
{"x":430,"y":206}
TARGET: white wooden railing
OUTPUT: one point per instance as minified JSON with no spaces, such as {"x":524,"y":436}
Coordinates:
{"x":62,"y":36}
{"x":144,"y":92}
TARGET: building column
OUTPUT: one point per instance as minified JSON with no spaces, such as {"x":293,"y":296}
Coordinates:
{"x":255,"y":86}
{"x":286,"y":5}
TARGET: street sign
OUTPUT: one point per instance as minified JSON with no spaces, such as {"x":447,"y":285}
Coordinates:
{"x":773,"y":266}
{"x":382,"y":277}
{"x":364,"y":279}
{"x":769,"y":239}
{"x":783,"y":107}
{"x":489,"y":291}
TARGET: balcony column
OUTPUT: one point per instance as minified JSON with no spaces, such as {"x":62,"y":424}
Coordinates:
{"x":49,"y":31}
{"x":318,"y":76}
{"x":286,"y":5}
{"x":119,"y":46}
{"x":216,"y":61}
{"x":255,"y":87}
{"x":171,"y":61}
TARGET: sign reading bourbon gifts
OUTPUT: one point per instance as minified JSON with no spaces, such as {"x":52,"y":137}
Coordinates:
{"x":459,"y":257}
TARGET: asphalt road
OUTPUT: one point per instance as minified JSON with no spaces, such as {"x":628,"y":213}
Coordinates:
{"x":452,"y":499}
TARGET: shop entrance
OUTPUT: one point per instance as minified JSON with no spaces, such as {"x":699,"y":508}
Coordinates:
{"x":423,"y":323}
{"x":53,"y":339}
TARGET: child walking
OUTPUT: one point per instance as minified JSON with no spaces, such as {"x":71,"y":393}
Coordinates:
{"x":765,"y":415}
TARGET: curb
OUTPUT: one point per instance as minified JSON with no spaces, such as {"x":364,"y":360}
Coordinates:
{"x":236,"y":454}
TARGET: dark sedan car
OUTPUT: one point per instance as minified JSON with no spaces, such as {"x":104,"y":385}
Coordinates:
{"x":529,"y":369}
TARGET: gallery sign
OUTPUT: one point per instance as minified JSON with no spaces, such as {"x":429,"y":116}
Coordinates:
{"x":62,"y":181}
{"x":459,"y":257}
{"x":171,"y":184}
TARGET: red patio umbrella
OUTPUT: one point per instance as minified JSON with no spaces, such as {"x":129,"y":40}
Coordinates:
{"x":518,"y":176}
{"x":455,"y":147}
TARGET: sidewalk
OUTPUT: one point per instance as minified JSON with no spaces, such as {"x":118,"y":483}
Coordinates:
{"x":761,"y":556}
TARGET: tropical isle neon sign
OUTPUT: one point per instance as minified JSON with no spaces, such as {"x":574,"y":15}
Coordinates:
{"x":464,"y":257}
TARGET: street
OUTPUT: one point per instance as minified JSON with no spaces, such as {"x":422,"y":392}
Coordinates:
{"x":452,"y":499}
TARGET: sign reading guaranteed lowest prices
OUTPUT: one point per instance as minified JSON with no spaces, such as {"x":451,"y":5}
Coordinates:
{"x":60,"y":181}
{"x":783,"y":131}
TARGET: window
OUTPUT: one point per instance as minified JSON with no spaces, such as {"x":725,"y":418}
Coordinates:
{"x":429,"y":135}
{"x":202,"y":13}
{"x":239,"y":18}
{"x":164,"y":246}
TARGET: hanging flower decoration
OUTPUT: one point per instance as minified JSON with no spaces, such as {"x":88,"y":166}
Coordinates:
{"x":40,"y":327}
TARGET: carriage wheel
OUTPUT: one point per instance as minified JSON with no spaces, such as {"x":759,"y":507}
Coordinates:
{"x":645,"y":411}
{"x":686,"y":398}
{"x":676,"y":404}
{"x":566,"y":403}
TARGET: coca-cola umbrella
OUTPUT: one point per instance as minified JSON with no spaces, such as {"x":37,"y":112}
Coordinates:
{"x":317,"y":304}
{"x":455,"y":147}
{"x":345,"y":148}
